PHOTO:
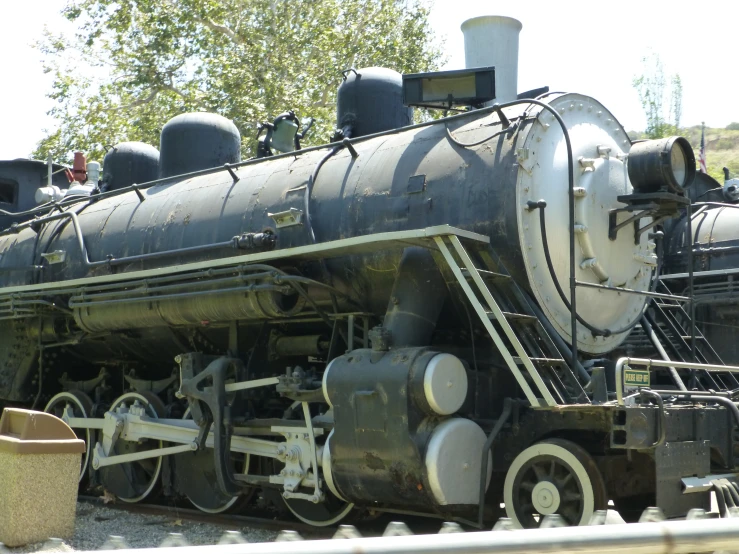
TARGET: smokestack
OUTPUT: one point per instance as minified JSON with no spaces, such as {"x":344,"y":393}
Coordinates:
{"x":492,"y":40}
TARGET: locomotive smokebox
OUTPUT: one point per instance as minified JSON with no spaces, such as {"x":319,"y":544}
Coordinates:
{"x":492,"y":41}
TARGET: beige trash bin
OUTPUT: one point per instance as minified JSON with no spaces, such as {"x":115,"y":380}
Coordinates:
{"x":40,"y":460}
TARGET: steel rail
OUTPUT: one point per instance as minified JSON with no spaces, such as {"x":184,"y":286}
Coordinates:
{"x":674,"y":537}
{"x":234,"y":521}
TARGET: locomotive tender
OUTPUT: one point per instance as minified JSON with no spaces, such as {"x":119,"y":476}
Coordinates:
{"x":383,"y":323}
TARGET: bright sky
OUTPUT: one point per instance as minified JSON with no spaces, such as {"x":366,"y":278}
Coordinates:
{"x":587,"y":46}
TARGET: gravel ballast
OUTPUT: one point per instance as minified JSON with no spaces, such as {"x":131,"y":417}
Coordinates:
{"x":96,"y":523}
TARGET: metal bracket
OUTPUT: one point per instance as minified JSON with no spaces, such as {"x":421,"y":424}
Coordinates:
{"x":658,"y":205}
{"x":135,"y":188}
{"x":288,"y":218}
{"x":55,"y":257}
{"x":231,"y":172}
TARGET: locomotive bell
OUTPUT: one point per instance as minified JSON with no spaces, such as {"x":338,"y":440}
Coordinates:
{"x":283,"y":136}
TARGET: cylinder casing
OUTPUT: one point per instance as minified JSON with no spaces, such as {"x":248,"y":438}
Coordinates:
{"x":389,"y":443}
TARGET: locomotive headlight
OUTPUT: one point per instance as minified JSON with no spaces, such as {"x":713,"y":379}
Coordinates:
{"x":661,"y":165}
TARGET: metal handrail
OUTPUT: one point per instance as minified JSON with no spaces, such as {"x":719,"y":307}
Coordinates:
{"x":649,"y":363}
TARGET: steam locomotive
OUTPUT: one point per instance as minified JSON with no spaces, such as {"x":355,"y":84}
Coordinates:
{"x":433,"y":318}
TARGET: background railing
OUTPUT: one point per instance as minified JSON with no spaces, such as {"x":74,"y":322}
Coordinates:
{"x":606,"y":534}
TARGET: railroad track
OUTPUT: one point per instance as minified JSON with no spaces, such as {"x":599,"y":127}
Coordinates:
{"x":232,"y":521}
{"x":368,"y":528}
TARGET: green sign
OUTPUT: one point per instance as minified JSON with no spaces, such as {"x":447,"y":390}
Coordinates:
{"x":636,"y":377}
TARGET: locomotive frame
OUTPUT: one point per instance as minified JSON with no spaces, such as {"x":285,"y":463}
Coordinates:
{"x":534,"y":431}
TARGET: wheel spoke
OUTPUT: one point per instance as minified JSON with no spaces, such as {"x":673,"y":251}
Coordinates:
{"x":540,"y":473}
{"x":528,"y":486}
{"x":570,"y":514}
{"x":562,"y":483}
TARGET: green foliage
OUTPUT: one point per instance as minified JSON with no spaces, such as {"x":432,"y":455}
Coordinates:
{"x":248,"y":60}
{"x":722,"y":149}
{"x":733,"y":126}
{"x":652,"y":88}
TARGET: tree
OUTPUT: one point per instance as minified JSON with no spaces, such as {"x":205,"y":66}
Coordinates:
{"x":249,"y":60}
{"x":651,"y":86}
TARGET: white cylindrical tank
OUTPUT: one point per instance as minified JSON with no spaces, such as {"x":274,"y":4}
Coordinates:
{"x":492,"y":40}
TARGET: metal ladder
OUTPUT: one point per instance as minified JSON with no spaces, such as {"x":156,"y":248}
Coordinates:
{"x":671,"y":322}
{"x":506,"y":312}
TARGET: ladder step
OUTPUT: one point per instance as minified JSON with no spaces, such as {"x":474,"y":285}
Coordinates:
{"x":667,"y":306}
{"x":541,"y":361}
{"x":688,"y":337}
{"x":485,"y":274}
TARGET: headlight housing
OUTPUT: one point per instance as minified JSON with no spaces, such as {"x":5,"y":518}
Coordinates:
{"x":666,"y":165}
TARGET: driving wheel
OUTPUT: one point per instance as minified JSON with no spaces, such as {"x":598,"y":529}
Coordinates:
{"x":554,"y":476}
{"x":134,"y":481}
{"x":75,"y":404}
